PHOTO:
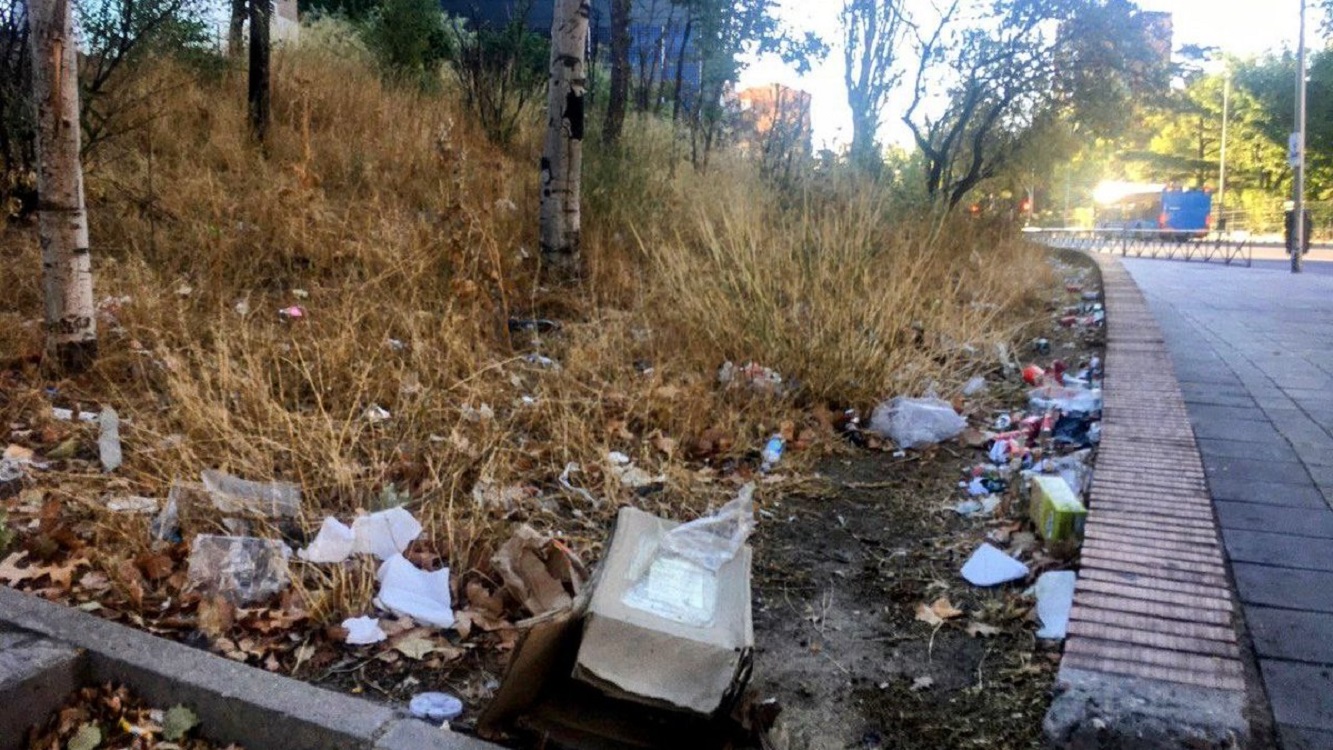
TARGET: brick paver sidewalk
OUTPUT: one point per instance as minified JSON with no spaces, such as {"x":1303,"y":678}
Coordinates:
{"x":1253,"y":351}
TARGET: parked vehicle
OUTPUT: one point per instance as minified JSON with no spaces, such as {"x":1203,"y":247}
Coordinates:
{"x":1182,"y":215}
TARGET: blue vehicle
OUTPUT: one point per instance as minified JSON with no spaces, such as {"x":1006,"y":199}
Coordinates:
{"x":1182,"y":215}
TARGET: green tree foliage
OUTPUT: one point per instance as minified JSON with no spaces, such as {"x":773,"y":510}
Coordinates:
{"x":1012,"y":84}
{"x":501,"y":72}
{"x":409,"y":38}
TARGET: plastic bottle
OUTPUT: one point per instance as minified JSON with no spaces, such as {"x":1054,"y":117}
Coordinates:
{"x":773,"y":452}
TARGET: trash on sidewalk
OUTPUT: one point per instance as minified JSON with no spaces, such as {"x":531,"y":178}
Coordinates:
{"x":917,"y":422}
{"x":978,"y":507}
{"x":621,"y":675}
{"x":407,"y":590}
{"x":1055,"y":599}
{"x":375,"y":414}
{"x":384,"y":534}
{"x":166,"y":526}
{"x":975,"y":385}
{"x":67,"y":415}
{"x":538,"y":572}
{"x":989,"y":566}
{"x":1058,"y":515}
{"x":570,"y":468}
{"x":1068,"y":401}
{"x":772,"y":453}
{"x":632,"y":476}
{"x":363,"y":631}
{"x":295,"y":312}
{"x":108,"y":439}
{"x":758,"y":378}
{"x":1074,"y":468}
{"x":332,"y":544}
{"x":239,"y":568}
{"x":435,"y":707}
{"x":236,"y":496}
{"x":669,"y":622}
{"x":132,"y":504}
{"x":1033,"y":375}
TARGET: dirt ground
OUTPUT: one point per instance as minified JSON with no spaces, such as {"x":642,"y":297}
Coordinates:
{"x":844,"y":558}
{"x":838,"y":578}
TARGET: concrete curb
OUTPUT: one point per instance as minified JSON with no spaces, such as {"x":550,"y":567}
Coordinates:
{"x":235,"y":703}
{"x":1152,"y":661}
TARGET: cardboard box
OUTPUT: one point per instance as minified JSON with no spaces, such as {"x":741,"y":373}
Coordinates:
{"x":1057,"y":512}
{"x":664,"y":632}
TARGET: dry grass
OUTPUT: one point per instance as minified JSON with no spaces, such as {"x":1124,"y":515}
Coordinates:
{"x":400,"y":221}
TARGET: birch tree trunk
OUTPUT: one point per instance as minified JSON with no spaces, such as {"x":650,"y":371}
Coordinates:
{"x":562,"y":157}
{"x":261,"y":12}
{"x":67,"y":275}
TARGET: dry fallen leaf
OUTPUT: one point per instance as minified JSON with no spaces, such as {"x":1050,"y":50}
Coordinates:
{"x":11,"y":573}
{"x":416,"y":646}
{"x":216,"y":616}
{"x":18,"y":453}
{"x":936,"y":613}
{"x":945,"y":609}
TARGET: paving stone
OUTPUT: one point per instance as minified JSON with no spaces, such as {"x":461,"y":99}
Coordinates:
{"x":1257,"y":470}
{"x":1279,"y":550}
{"x":1248,"y":450}
{"x":1281,"y":587}
{"x":1322,"y":475}
{"x":1299,"y":738}
{"x":1199,"y":413}
{"x":1244,"y":430}
{"x":1291,"y":634}
{"x":1299,"y":693}
{"x":1240,"y":490}
{"x":1309,"y":522}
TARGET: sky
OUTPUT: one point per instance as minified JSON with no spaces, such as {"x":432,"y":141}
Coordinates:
{"x":1240,"y":27}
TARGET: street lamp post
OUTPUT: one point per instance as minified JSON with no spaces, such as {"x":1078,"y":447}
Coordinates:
{"x":1298,"y":158}
{"x":1222,"y":169}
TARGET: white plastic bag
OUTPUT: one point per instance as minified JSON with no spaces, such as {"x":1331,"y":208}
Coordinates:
{"x":408,"y":590}
{"x":711,"y":541}
{"x":332,"y":544}
{"x":917,"y":422}
{"x":384,"y":534}
{"x":1068,"y":400}
{"x":363,"y":631}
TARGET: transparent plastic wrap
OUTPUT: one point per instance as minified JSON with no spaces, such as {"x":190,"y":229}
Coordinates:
{"x":242,"y":497}
{"x":675,"y":577}
{"x":917,"y":422}
{"x":242,"y":569}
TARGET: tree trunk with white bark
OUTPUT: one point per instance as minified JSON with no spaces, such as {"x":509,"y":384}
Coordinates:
{"x":562,"y":158}
{"x":67,"y":276}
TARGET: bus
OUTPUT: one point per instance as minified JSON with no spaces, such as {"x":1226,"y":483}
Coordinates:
{"x":1157,"y":212}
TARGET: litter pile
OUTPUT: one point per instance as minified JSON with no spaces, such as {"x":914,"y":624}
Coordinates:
{"x":1043,"y":458}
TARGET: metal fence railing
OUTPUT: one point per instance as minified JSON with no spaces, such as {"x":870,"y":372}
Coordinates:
{"x":1140,"y":243}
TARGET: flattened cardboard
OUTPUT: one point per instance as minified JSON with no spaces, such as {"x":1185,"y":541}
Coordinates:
{"x":639,"y":656}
